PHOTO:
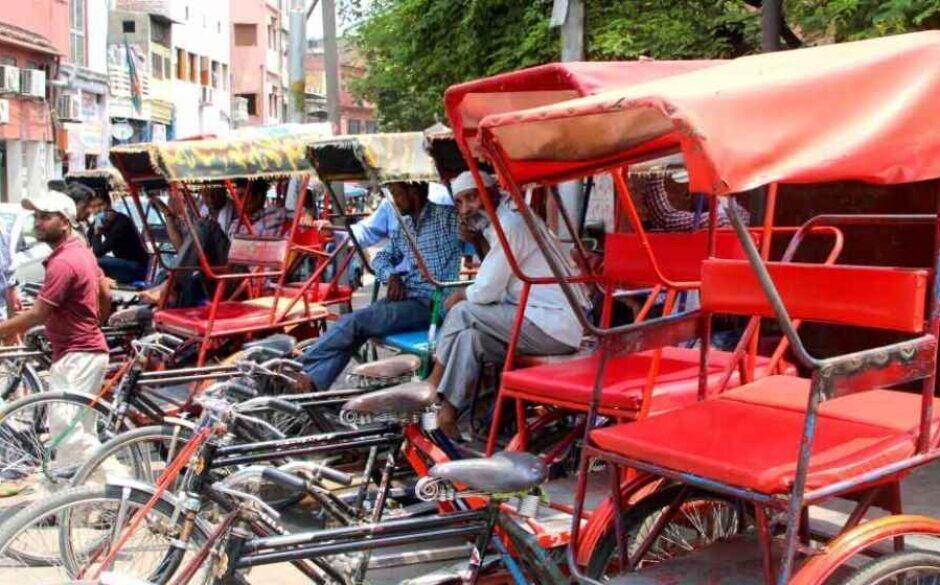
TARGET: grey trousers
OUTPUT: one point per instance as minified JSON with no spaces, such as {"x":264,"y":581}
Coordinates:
{"x":474,"y":334}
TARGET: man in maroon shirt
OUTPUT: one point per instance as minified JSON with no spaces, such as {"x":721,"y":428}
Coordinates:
{"x":69,"y":306}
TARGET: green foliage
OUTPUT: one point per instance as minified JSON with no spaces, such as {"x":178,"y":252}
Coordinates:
{"x":844,"y":20}
{"x":414,"y":49}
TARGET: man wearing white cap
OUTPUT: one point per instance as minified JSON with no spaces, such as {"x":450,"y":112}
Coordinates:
{"x":69,"y":304}
{"x":480,"y":318}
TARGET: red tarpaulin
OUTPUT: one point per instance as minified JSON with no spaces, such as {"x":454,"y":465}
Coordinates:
{"x":468,"y":103}
{"x":856,"y":111}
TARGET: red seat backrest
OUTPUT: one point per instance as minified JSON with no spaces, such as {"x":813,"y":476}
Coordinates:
{"x":864,"y":296}
{"x":257,"y":251}
{"x":679,"y":256}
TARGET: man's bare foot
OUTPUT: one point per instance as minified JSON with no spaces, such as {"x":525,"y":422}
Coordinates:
{"x":447,"y":420}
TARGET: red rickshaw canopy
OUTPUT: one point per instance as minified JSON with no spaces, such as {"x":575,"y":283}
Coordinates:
{"x":856,"y":111}
{"x":468,"y":103}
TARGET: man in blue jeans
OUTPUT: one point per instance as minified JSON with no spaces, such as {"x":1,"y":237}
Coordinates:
{"x":408,"y":301}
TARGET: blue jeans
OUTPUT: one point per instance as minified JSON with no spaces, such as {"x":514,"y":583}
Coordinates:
{"x":122,"y":270}
{"x":325,"y":360}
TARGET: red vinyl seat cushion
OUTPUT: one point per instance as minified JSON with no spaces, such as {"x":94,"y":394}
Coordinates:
{"x":569,"y":383}
{"x":230,"y":316}
{"x":317,"y":293}
{"x":750,"y":437}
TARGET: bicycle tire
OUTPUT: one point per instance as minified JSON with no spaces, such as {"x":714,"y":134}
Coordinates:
{"x":889,"y":568}
{"x":9,"y":431}
{"x":30,"y":381}
{"x":644,"y":513}
{"x":94,"y":496}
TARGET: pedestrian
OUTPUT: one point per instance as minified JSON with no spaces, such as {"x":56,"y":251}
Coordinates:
{"x":69,"y":304}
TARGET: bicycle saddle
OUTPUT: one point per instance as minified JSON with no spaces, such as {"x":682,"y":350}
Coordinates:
{"x":393,"y":367}
{"x":279,"y":343}
{"x":503,"y":472}
{"x":410,"y":397}
{"x":131,"y":316}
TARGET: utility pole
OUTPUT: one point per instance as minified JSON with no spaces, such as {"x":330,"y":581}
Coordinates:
{"x":569,"y":14}
{"x":297,"y":49}
{"x":331,"y":64}
{"x":771,"y":17}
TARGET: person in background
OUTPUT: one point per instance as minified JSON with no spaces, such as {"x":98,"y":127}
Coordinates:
{"x":480,"y":318}
{"x":408,"y":303}
{"x":81,"y":195}
{"x":665,"y":217}
{"x":71,"y":304}
{"x":116,"y":243}
{"x":8,"y":300}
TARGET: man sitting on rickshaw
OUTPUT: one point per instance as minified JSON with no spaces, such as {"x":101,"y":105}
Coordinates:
{"x":115,"y":233}
{"x":220,"y":222}
{"x":408,"y":302}
{"x":480,"y":317}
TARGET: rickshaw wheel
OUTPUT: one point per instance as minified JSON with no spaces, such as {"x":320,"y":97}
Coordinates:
{"x":702,"y":519}
{"x":900,"y":568}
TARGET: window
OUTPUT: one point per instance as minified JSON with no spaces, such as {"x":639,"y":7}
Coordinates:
{"x":272,"y":34}
{"x":160,"y":33}
{"x":371,"y":127}
{"x":167,"y":68}
{"x":218,"y":26}
{"x":204,"y":72}
{"x":352,"y":127}
{"x":128,"y":27}
{"x":182,"y":64}
{"x":215,"y":75}
{"x":246,"y":35}
{"x":193,"y":68}
{"x":187,"y":13}
{"x":8,"y":60}
{"x":252,"y":100}
{"x":156,"y":66}
{"x":77,"y":32}
{"x":224,"y":77}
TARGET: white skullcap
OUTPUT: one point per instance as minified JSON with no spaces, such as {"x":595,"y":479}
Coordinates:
{"x":465,"y":182}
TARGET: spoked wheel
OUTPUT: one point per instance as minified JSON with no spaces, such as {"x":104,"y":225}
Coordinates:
{"x":75,"y":529}
{"x":702,"y":519}
{"x":18,"y":378}
{"x":900,"y":568}
{"x":50,"y":433}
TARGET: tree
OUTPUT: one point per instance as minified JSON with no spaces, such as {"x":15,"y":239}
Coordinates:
{"x":414,"y":49}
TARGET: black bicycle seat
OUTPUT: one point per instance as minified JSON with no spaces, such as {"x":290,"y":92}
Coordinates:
{"x":404,"y":398}
{"x":393,"y":367}
{"x":503,"y":472}
{"x":131,"y":316}
{"x":277,"y":345}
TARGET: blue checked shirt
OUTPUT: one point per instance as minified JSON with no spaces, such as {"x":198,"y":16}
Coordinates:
{"x":436,"y":235}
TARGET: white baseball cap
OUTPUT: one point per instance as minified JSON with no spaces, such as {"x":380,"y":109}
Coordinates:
{"x":465,"y":182}
{"x":52,"y":202}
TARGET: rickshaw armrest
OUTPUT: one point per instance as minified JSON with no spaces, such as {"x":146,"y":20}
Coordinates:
{"x":652,"y":334}
{"x":879,"y":367}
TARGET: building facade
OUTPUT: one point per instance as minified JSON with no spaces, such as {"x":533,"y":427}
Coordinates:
{"x":259,"y":47}
{"x":180,"y":53}
{"x":34,"y":42}
{"x":356,"y":116}
{"x":82,"y":104}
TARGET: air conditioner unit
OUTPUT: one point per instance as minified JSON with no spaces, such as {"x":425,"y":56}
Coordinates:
{"x":33,"y":83}
{"x":9,"y":79}
{"x":69,"y":108}
{"x":205,"y":96}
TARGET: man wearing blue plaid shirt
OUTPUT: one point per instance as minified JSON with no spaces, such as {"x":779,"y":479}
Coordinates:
{"x":408,"y":301}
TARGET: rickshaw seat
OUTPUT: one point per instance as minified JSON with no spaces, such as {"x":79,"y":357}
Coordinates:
{"x":414,"y":342}
{"x":319,"y":292}
{"x":231,"y":316}
{"x":738,"y":440}
{"x":569,"y":383}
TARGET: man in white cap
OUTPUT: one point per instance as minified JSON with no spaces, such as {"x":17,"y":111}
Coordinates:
{"x":69,"y":304}
{"x":480,"y":317}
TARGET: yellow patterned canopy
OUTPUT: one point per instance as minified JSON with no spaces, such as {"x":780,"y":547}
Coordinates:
{"x":381,"y":158}
{"x":215,"y":160}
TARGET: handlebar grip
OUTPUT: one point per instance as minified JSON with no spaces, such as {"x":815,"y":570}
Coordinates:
{"x":285,"y":479}
{"x":285,"y":406}
{"x":240,"y":391}
{"x":335,"y":475}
